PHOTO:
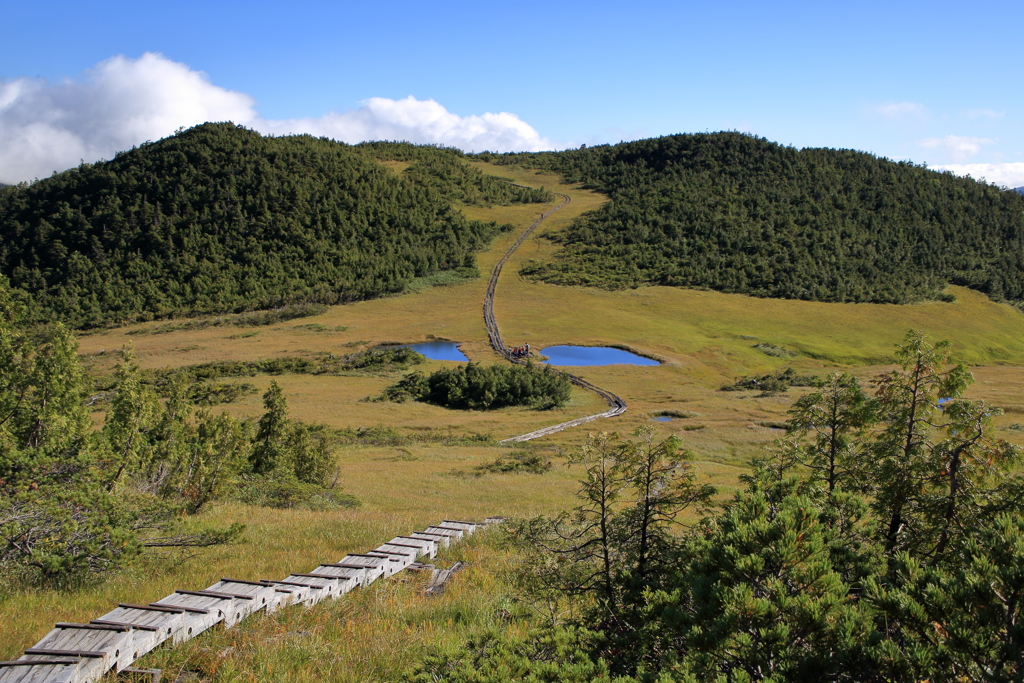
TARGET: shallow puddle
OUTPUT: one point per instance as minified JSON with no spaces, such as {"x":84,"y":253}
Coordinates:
{"x":592,"y":355}
{"x":437,"y":350}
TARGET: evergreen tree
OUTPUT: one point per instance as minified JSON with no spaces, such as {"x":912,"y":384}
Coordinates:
{"x":132,"y":417}
{"x":834,"y":419}
{"x":270,"y":448}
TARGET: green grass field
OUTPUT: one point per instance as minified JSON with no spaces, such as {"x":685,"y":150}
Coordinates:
{"x":705,"y":339}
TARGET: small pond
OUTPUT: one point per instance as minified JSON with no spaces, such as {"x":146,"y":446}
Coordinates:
{"x":592,"y":355}
{"x":437,"y":350}
{"x":662,"y":418}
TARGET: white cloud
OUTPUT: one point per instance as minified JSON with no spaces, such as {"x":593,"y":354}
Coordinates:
{"x":1006,"y":175}
{"x":420,"y":121}
{"x":900,"y":110}
{"x":46,"y":127}
{"x":982,"y":114}
{"x":122,"y":102}
{"x":960,"y":148}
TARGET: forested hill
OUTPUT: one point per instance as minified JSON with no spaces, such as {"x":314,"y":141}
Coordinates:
{"x":737,"y":213}
{"x":219,"y":218}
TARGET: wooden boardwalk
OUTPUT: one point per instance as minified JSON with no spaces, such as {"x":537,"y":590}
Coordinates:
{"x":616,"y":406}
{"x":81,"y":653}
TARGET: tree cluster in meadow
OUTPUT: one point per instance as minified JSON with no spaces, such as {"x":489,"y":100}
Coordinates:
{"x":219,"y":218}
{"x":736,"y":213}
{"x":76,"y":501}
{"x":881,"y":540}
{"x":477,"y":387}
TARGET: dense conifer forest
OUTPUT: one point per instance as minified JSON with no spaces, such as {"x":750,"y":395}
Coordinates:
{"x":737,"y":213}
{"x":218,"y":218}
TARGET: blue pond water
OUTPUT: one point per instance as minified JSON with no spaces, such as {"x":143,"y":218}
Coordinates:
{"x":438,"y":350}
{"x":662,"y":418}
{"x":592,"y":355}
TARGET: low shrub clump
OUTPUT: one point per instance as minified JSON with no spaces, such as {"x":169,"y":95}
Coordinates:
{"x":250,"y":319}
{"x":279,"y":490}
{"x":476,"y":387}
{"x":772,"y":383}
{"x":773,"y":350}
{"x":516,"y":462}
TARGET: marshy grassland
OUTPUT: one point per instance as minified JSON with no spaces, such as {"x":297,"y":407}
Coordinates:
{"x":704,"y":339}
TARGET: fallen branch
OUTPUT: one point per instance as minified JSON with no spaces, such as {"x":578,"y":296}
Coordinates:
{"x":439,"y":577}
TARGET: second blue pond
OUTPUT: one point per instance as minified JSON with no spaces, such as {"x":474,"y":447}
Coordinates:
{"x":592,"y":355}
{"x":438,"y":350}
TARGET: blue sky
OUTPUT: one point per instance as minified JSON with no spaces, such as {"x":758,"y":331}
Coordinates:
{"x":935,"y":82}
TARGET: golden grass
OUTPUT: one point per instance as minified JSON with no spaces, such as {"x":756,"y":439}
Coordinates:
{"x":704,"y":338}
{"x":402,"y":489}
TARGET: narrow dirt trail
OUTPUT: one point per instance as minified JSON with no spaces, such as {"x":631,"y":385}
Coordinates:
{"x":616,"y":406}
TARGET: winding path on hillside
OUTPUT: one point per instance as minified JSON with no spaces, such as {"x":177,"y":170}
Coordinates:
{"x":616,"y":406}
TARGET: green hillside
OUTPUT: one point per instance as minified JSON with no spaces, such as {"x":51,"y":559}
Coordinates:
{"x":219,"y":218}
{"x":736,"y":213}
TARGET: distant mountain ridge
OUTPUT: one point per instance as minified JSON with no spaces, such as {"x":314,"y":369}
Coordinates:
{"x":1019,"y":189}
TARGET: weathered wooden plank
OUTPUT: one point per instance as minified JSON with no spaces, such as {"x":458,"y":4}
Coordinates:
{"x":396,"y":553}
{"x":349,"y":577}
{"x":40,"y":670}
{"x":363,"y":574}
{"x":400,"y":560}
{"x":233,"y":606}
{"x":113,"y":648}
{"x":262,"y":596}
{"x":101,"y":622}
{"x":199,"y":614}
{"x":296,"y":595}
{"x":427,"y":546}
{"x":442,"y":540}
{"x":472,"y":526}
{"x":329,"y":586}
{"x":455,"y":534}
{"x":392,"y":565}
{"x":82,"y":653}
{"x":296,"y":583}
{"x":153,"y":608}
{"x":92,"y":625}
{"x":167,"y":622}
{"x":53,"y":674}
{"x":79,"y":673}
{"x":418,"y":547}
{"x":382,"y":565}
{"x":215,"y":594}
{"x":180,"y":608}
